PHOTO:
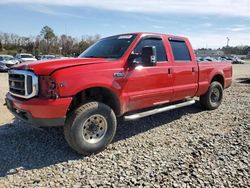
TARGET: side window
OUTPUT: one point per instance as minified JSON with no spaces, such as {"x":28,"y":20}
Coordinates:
{"x":160,"y":49}
{"x":180,"y":50}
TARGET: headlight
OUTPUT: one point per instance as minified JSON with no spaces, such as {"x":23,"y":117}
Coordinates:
{"x":48,"y":87}
{"x":2,"y":65}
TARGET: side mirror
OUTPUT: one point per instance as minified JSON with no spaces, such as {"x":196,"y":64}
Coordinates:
{"x":131,"y":60}
{"x":148,"y":56}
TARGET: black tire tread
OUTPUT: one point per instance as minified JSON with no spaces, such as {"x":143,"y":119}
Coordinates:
{"x":71,"y":119}
{"x":204,"y":99}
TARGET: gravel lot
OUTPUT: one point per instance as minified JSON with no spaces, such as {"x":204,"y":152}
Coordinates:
{"x":187,"y":147}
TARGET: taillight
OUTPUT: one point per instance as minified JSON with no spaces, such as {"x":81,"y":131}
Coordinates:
{"x":48,"y":87}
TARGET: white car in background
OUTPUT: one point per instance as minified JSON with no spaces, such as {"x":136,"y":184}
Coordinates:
{"x":25,"y":57}
{"x":238,"y":61}
{"x":7,"y":61}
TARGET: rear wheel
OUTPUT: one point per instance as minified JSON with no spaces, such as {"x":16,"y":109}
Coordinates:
{"x":213,"y":98}
{"x":90,"y":128}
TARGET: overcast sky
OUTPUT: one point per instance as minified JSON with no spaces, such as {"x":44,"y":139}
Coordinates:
{"x":206,"y":23}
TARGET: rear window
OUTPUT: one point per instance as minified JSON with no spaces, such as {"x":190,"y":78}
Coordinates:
{"x":180,"y":50}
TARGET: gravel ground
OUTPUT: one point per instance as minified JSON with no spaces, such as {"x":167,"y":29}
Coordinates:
{"x":187,"y":147}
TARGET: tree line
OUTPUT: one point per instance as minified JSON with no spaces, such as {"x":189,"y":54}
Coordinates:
{"x":47,"y":42}
{"x":238,"y":50}
{"x":232,"y":50}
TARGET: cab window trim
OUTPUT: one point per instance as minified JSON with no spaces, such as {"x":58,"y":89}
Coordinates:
{"x":156,"y":37}
{"x":183,"y":41}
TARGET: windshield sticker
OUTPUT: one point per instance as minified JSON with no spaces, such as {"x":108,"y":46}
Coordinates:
{"x":125,"y":37}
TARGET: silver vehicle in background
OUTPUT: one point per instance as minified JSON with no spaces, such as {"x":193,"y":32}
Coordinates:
{"x":6,"y":62}
{"x":45,"y":57}
{"x":238,"y":61}
{"x":22,"y":57}
{"x":207,"y":59}
{"x":233,"y":60}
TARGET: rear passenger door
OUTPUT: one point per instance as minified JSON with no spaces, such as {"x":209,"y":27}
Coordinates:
{"x":185,"y":70}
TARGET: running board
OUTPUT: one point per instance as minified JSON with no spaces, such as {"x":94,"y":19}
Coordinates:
{"x":158,"y":110}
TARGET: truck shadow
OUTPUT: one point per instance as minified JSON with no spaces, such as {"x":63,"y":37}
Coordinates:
{"x":30,"y":148}
{"x":244,"y":80}
{"x":127,"y":129}
{"x":26,"y":147}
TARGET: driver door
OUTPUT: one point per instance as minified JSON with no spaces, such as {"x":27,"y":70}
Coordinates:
{"x":150,"y":85}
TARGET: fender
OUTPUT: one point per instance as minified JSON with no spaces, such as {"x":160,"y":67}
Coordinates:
{"x":205,"y":82}
{"x":215,"y":73}
{"x":73,"y":80}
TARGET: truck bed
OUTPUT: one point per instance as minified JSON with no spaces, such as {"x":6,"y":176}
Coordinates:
{"x":207,"y":70}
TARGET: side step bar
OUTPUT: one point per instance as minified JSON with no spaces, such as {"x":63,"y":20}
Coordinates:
{"x":158,"y":110}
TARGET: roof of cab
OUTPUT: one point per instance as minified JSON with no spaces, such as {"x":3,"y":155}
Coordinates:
{"x":152,"y":33}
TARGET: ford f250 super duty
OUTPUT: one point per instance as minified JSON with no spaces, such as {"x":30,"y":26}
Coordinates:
{"x":130,"y":75}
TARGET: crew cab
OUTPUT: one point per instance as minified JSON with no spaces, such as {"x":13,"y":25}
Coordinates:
{"x":129,"y":75}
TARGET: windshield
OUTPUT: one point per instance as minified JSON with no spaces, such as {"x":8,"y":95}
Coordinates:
{"x":111,"y":47}
{"x":6,"y":58}
{"x":26,"y":56}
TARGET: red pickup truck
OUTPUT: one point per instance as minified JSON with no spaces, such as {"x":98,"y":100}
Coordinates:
{"x":130,"y":75}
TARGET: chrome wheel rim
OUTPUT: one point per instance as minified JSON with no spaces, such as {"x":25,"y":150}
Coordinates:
{"x":215,"y":95}
{"x":94,"y":128}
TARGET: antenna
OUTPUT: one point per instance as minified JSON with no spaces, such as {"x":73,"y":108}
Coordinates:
{"x":228,"y":39}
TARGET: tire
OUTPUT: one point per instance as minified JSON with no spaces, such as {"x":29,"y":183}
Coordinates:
{"x":213,"y":97}
{"x":90,"y":128}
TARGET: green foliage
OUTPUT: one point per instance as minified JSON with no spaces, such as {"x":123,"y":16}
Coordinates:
{"x":47,"y":42}
{"x":242,"y":50}
{"x":8,"y":52}
{"x":47,"y":33}
{"x":229,"y":50}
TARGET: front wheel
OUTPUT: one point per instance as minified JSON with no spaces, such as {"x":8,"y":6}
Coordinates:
{"x":90,"y":128}
{"x":213,"y":97}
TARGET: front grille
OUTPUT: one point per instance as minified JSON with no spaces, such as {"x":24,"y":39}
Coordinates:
{"x":23,"y":83}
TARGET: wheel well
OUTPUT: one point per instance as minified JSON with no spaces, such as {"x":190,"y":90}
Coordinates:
{"x":219,"y":78}
{"x":97,"y":94}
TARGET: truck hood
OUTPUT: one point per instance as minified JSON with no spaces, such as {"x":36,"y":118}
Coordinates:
{"x":49,"y":66}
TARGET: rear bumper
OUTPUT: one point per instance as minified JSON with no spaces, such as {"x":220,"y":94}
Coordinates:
{"x":39,"y":112}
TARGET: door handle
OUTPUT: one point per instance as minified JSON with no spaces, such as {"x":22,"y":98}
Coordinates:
{"x":170,"y":70}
